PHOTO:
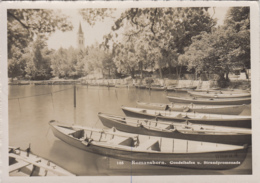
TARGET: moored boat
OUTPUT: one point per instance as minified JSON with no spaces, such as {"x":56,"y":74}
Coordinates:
{"x":151,"y":150}
{"x":198,"y":118}
{"x":213,"y":109}
{"x":25,"y":163}
{"x":210,"y":101}
{"x":219,"y":95}
{"x":185,"y":89}
{"x":170,"y":88}
{"x":222,"y":91}
{"x":121,"y":85}
{"x":141,"y":86}
{"x":157,"y":88}
{"x":185,"y":130}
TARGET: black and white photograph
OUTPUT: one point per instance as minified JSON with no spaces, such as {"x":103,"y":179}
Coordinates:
{"x":129,"y":89}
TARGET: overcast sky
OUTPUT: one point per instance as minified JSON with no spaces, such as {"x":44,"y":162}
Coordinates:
{"x":96,"y":33}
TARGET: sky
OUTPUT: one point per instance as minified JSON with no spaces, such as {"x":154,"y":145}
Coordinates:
{"x":96,"y":33}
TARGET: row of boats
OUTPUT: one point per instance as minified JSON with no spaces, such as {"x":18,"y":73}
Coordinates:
{"x":173,"y":135}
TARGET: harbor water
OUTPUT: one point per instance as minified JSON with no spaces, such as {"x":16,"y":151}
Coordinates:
{"x":31,"y":107}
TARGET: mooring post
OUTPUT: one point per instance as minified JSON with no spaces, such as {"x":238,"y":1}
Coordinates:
{"x":75,"y":104}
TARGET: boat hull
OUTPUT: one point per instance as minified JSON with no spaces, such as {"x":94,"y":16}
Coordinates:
{"x":238,"y":139}
{"x":242,"y":123}
{"x":210,"y":101}
{"x":227,"y":110}
{"x":206,"y":160}
{"x":218,"y":95}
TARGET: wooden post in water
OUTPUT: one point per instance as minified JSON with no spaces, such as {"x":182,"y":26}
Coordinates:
{"x":172,"y":145}
{"x":160,"y":142}
{"x":75,"y":104}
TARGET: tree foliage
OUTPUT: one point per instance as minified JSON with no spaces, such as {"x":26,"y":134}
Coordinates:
{"x":225,"y":49}
{"x":92,"y":15}
{"x":26,"y":25}
{"x":163,"y":32}
{"x":68,"y":63}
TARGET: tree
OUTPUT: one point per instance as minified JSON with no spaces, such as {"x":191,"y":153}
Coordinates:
{"x":166,"y":31}
{"x":37,"y":59}
{"x":237,"y":22}
{"x":224,"y":49}
{"x":24,"y":26}
{"x":68,"y":63}
{"x":92,"y":15}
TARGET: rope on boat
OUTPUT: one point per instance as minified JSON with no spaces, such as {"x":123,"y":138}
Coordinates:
{"x":39,"y":94}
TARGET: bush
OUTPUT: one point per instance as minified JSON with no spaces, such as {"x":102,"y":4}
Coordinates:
{"x":149,"y":81}
{"x":223,"y":82}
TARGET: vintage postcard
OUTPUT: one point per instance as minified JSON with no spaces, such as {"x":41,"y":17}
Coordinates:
{"x":130,"y":91}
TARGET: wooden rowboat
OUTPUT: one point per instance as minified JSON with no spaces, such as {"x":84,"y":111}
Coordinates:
{"x":222,"y":91}
{"x":185,"y":130}
{"x":211,"y":101}
{"x":140,"y":86}
{"x":121,"y":85}
{"x":185,"y":89}
{"x":151,"y":150}
{"x":157,"y":88}
{"x":219,"y":95}
{"x":23,"y":163}
{"x":198,"y":118}
{"x":212,"y":109}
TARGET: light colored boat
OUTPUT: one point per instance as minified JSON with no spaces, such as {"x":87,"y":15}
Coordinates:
{"x":25,"y":163}
{"x":222,"y":91}
{"x":212,"y":109}
{"x":157,"y":88}
{"x":219,"y":95}
{"x":210,"y":101}
{"x":150,"y":150}
{"x":198,"y":118}
{"x":185,"y":130}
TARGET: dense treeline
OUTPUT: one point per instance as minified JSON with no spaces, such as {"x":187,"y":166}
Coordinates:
{"x":165,"y":40}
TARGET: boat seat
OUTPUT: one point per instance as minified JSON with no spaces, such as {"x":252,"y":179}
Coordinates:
{"x":151,"y":143}
{"x":18,"y":166}
{"x":127,"y":141}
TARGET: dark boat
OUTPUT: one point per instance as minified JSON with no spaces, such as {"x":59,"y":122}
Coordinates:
{"x":198,"y":118}
{"x":219,"y":95}
{"x":151,"y":150}
{"x":185,"y":130}
{"x":210,"y":101}
{"x":212,"y":109}
{"x":185,"y":89}
{"x":107,"y":84}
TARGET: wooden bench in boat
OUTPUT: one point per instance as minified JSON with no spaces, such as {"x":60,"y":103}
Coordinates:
{"x":151,"y":143}
{"x":17,"y":166}
{"x":121,"y":141}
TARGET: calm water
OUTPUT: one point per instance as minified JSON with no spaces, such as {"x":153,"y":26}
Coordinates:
{"x":29,"y":117}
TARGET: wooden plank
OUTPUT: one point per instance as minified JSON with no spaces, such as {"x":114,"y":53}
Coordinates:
{"x":18,"y":166}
